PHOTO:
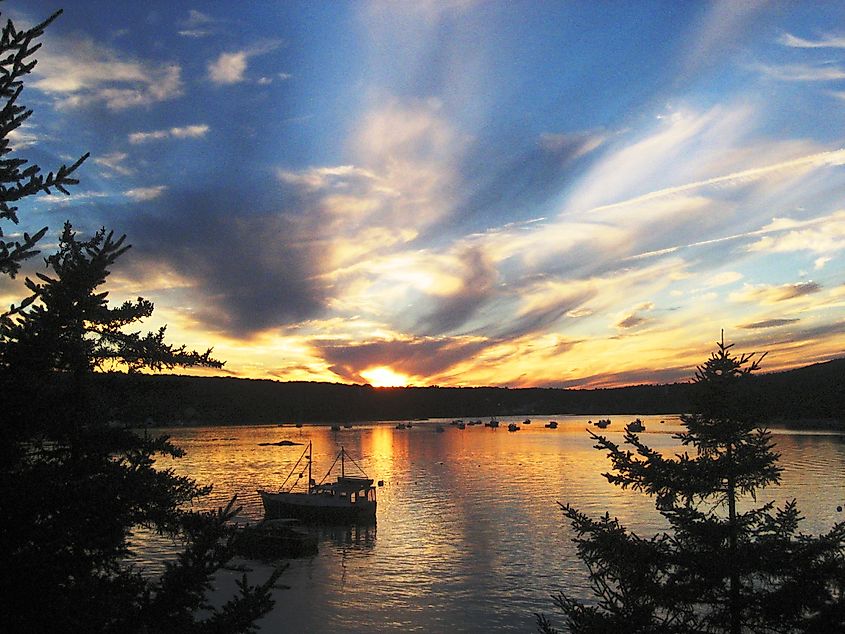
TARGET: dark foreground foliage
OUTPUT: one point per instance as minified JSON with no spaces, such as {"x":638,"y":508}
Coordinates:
{"x":73,"y":487}
{"x":725,"y":565}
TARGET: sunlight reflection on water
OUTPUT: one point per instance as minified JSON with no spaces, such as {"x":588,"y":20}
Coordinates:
{"x":469,"y":536}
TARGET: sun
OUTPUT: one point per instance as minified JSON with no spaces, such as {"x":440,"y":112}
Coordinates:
{"x":382,"y":376}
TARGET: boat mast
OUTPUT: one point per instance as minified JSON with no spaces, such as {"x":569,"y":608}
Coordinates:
{"x":309,"y":467}
{"x":342,"y":470}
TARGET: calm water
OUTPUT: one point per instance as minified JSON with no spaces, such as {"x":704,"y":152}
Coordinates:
{"x":469,"y":536}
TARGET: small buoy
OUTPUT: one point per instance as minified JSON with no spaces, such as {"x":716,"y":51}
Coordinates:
{"x":838,"y":509}
{"x":381,"y":483}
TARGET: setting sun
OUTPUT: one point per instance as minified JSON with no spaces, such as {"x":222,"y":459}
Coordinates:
{"x":383,"y":376}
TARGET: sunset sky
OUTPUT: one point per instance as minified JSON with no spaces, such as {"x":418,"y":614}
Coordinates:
{"x":457,"y":193}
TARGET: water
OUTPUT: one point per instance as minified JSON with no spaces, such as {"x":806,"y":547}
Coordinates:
{"x":469,"y":535}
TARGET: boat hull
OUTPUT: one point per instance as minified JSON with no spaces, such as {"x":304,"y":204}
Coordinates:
{"x":311,"y":508}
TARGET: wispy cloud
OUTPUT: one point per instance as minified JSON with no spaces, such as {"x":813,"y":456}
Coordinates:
{"x":230,"y":67}
{"x":80,"y":72}
{"x":825,"y":234}
{"x":827,"y":41}
{"x":768,"y":323}
{"x":114,"y":163}
{"x":826,"y":71}
{"x":197,"y":25}
{"x":143,"y":194}
{"x":185,"y":132}
{"x":766,"y":294}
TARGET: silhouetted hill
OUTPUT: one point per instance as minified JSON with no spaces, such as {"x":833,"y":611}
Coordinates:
{"x":813,"y":392}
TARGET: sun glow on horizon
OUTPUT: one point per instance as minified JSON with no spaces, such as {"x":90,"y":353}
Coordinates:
{"x":382,"y":376}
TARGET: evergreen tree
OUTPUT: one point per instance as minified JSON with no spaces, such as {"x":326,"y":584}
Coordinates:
{"x":72,"y":486}
{"x":725,"y":565}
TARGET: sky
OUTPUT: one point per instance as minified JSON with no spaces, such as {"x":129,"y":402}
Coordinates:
{"x":560,"y":194}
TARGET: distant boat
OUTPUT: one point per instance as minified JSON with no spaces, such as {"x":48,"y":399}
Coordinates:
{"x":602,"y":423}
{"x":527,"y":421}
{"x":401,"y":426}
{"x":461,"y":425}
{"x":513,"y":427}
{"x":552,"y":424}
{"x":350,"y":499}
{"x":635,"y":426}
{"x":335,"y":427}
{"x":298,"y":425}
{"x":348,"y":426}
{"x":409,"y":425}
{"x":493,"y":424}
{"x":457,"y":421}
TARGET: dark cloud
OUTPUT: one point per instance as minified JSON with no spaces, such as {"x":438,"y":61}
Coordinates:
{"x":791,"y":291}
{"x":478,"y":279}
{"x":632,"y":320}
{"x":420,"y":357}
{"x":251,"y":270}
{"x":768,"y":323}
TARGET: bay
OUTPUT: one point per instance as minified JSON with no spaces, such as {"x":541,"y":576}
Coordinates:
{"x":469,"y":535}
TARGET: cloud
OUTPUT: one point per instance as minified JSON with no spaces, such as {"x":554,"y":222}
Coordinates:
{"x":416,"y":356}
{"x":230,"y":67}
{"x":722,"y":279}
{"x":825,"y":234}
{"x":826,"y":71}
{"x":477,"y":285}
{"x":143,"y":194}
{"x":636,"y":317}
{"x":197,"y":25}
{"x":23,"y":137}
{"x":828,"y":41}
{"x":768,"y":323}
{"x":186,"y":132}
{"x":572,"y":146}
{"x":765,"y":294}
{"x":80,"y":72}
{"x":249,"y":273}
{"x":114,"y":163}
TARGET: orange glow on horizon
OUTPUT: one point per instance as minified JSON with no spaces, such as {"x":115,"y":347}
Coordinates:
{"x":382,"y":376}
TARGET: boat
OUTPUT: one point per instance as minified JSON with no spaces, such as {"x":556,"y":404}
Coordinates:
{"x":635,"y":426}
{"x":513,"y":427}
{"x":401,"y":426}
{"x":527,"y":421}
{"x":552,"y":424}
{"x":335,"y":427}
{"x":493,"y":424}
{"x":298,"y":425}
{"x":273,"y":539}
{"x":461,"y":426}
{"x":602,"y":423}
{"x":349,"y":499}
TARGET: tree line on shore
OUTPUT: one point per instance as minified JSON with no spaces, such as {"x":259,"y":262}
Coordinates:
{"x":811,"y":394}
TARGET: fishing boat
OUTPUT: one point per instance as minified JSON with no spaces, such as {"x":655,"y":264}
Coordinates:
{"x":349,"y":499}
{"x":513,"y":427}
{"x":552,"y":424}
{"x":493,"y":424}
{"x":635,"y":426}
{"x":602,"y":423}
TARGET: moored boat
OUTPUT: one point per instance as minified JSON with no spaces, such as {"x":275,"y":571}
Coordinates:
{"x":349,"y":499}
{"x":493,"y":424}
{"x":552,"y":424}
{"x":513,"y":427}
{"x":635,"y":426}
{"x":602,"y":423}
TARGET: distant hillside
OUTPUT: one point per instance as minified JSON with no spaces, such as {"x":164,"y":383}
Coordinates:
{"x":813,"y":392}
